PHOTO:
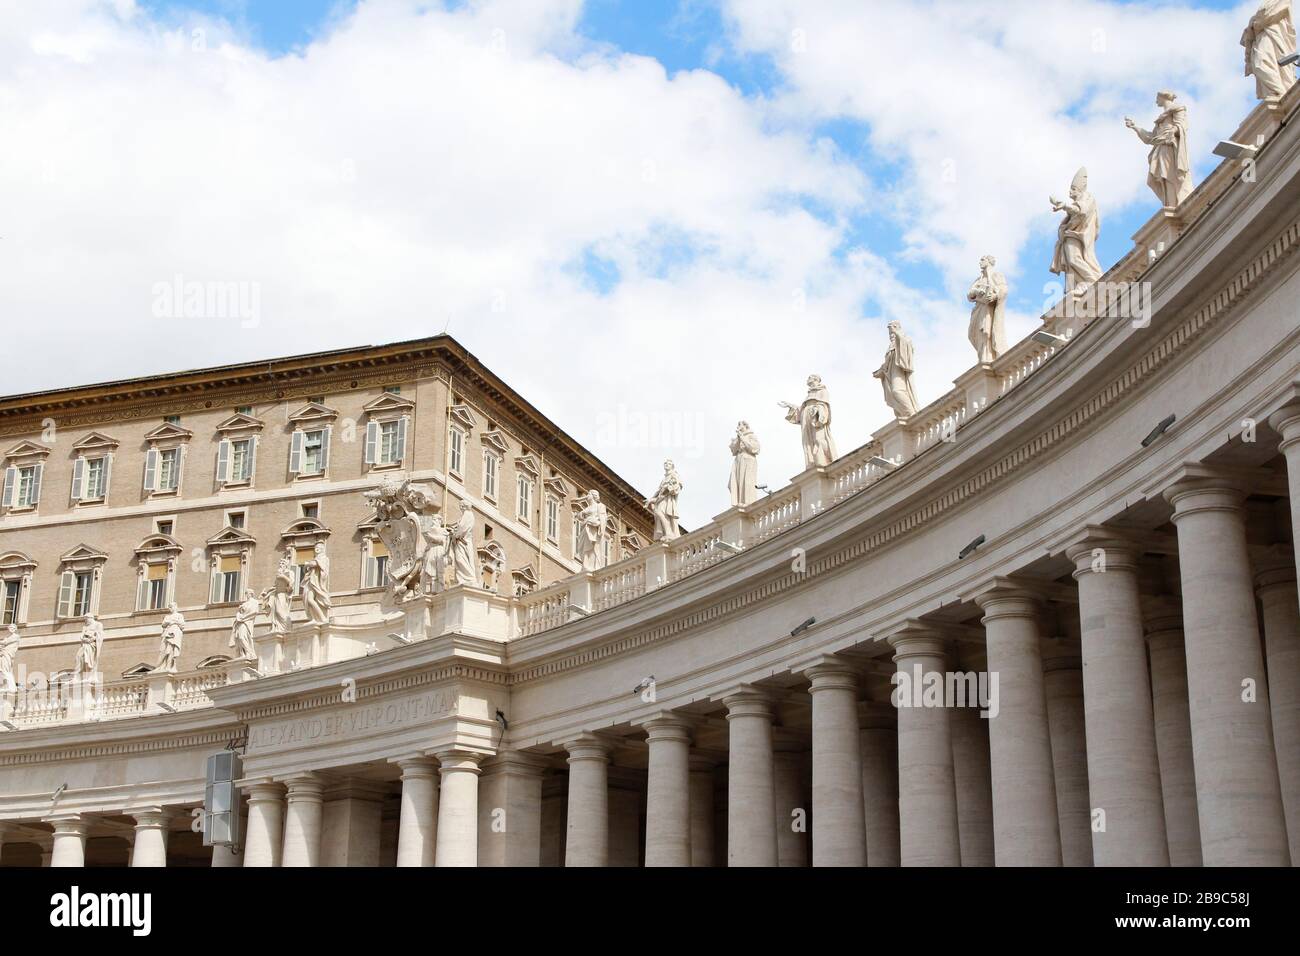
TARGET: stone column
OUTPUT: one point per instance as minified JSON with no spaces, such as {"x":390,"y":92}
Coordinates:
{"x":701,"y":811}
{"x":69,"y":840}
{"x":878,"y":742}
{"x":1025,"y":827}
{"x":927,"y":796}
{"x":457,"y":831}
{"x":1173,"y":732}
{"x":1063,"y":688}
{"x":838,"y":820}
{"x":1238,"y":797}
{"x":302,"y":820}
{"x":1123,"y":768}
{"x":265,"y":835}
{"x":510,"y":810}
{"x":972,"y":775}
{"x":352,"y":821}
{"x":1286,"y":423}
{"x":417,"y":824}
{"x":1277,"y":598}
{"x":790,"y":792}
{"x":751,"y":783}
{"x":668,"y":792}
{"x":150,"y":847}
{"x":587,"y":834}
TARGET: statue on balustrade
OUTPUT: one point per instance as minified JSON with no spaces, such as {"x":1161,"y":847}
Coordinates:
{"x":316,"y":586}
{"x":1169,"y":166}
{"x":241,"y":631}
{"x":404,"y":517}
{"x":744,"y":466}
{"x":814,"y":420}
{"x":664,"y":504}
{"x":895,"y":373}
{"x":433,"y":567}
{"x":173,"y":636}
{"x":1075,"y":256}
{"x":8,"y":652}
{"x":988,"y":333}
{"x":86,"y":665}
{"x":279,"y":596}
{"x":463,"y":559}
{"x":591,"y":531}
{"x":1270,"y":37}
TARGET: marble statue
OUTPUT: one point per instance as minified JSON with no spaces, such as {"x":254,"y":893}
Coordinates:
{"x":1169,"y":166}
{"x":1269,"y":37}
{"x":814,"y":419}
{"x":404,"y":517}
{"x":316,"y":586}
{"x":92,"y":642}
{"x":279,"y":596}
{"x":591,"y":532}
{"x":743,"y":484}
{"x":433,"y":569}
{"x":664,"y":504}
{"x":1075,"y":257}
{"x":241,"y":632}
{"x":463,"y":560}
{"x":173,"y":636}
{"x":895,"y":373}
{"x":988,"y":332}
{"x":8,"y":651}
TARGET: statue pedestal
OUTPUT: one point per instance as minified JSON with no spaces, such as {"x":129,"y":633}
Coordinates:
{"x":270,"y":652}
{"x":735,"y":526}
{"x":655,"y":556}
{"x":1159,"y":233}
{"x":463,"y":609}
{"x":161,"y":692}
{"x":816,"y":491}
{"x":896,"y":441}
{"x":980,"y":386}
{"x":82,"y":698}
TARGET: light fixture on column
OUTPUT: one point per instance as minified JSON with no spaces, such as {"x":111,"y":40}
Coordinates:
{"x":645,"y":682}
{"x":501,"y":719}
{"x":8,"y":726}
{"x":763,"y":488}
{"x":1230,"y":150}
{"x":58,"y":793}
{"x":1044,"y":337}
{"x":1158,"y":431}
{"x":166,"y":708}
{"x":399,"y":638}
{"x":580,"y":611}
{"x":803,"y":627}
{"x":727,"y":546}
{"x":970,"y":548}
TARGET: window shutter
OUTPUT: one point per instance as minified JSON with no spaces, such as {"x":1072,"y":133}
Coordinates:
{"x":142,"y":594}
{"x":79,"y":478}
{"x":108,"y":473}
{"x":215,"y":596}
{"x":151,"y":470}
{"x":11,"y":482}
{"x":36,"y":481}
{"x":67,"y":582}
{"x":372,"y":442}
{"x":180,"y":467}
{"x":252,"y":457}
{"x":401,"y":438}
{"x":295,"y":453}
{"x":223,"y":461}
{"x":325,"y":448}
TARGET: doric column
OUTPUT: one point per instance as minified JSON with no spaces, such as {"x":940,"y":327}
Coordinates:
{"x":701,"y":810}
{"x":150,"y":847}
{"x":1123,"y":768}
{"x":927,"y":795}
{"x":510,"y":810}
{"x":1277,"y":598}
{"x":417,"y":824}
{"x":69,"y":840}
{"x":972,"y":774}
{"x":1063,"y":688}
{"x":1238,"y":797}
{"x":1173,"y":724}
{"x":790,"y":775}
{"x":457,"y":831}
{"x":265,"y":836}
{"x":1025,"y":827}
{"x":587,"y":834}
{"x":302,"y":820}
{"x":751,"y":786}
{"x":878,"y":744}
{"x":1286,"y":423}
{"x":668,"y":792}
{"x":838,"y":821}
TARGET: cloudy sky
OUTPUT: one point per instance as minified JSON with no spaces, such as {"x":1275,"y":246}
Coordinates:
{"x":652,"y":217}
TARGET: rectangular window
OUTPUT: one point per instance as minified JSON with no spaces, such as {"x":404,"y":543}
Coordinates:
{"x":235,"y":460}
{"x":13,"y":590}
{"x":28,"y":487}
{"x":390,"y":444}
{"x":95,"y":475}
{"x":300,"y":557}
{"x":377,"y":564}
{"x":226,"y":586}
{"x":491,"y":463}
{"x":169,"y":470}
{"x":524,"y":505}
{"x":313,"y":452}
{"x":552,"y":518}
{"x":456,"y":461}
{"x":311,"y":509}
{"x":165,"y":526}
{"x":235,"y":519}
{"x":153,"y":590}
{"x":76,"y":593}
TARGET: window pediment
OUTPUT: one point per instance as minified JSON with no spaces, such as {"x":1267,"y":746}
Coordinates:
{"x":168,"y":433}
{"x":557,"y":486}
{"x":158,"y":546}
{"x":462,"y":416}
{"x":388,"y":404}
{"x":493,"y":553}
{"x":83,"y":555}
{"x":216,"y":660}
{"x":495,"y":441}
{"x":304,"y":532}
{"x":314,"y":413}
{"x":524,"y":580}
{"x":26,"y":451}
{"x":96,"y":442}
{"x":15,"y":562}
{"x":239,"y":424}
{"x":527,"y":465}
{"x":231,"y":538}
{"x":139,"y":670}
{"x":632,"y":542}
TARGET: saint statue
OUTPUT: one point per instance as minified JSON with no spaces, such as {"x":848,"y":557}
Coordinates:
{"x":433,"y":567}
{"x":241,"y":632}
{"x":1269,"y":37}
{"x":462,"y":547}
{"x":664,"y":504}
{"x":316,"y":586}
{"x":895,"y":373}
{"x":8,"y":652}
{"x":1169,"y":172}
{"x":279,"y":596}
{"x":92,"y":642}
{"x":173,"y":635}
{"x":814,"y":420}
{"x":591,"y":532}
{"x":744,"y":466}
{"x":1075,"y":257}
{"x":988,"y":331}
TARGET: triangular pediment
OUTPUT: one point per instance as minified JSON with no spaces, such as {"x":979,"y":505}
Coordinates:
{"x":239,"y":422}
{"x":496,"y":441}
{"x":525,"y":579}
{"x":528,"y":465}
{"x":462,"y":416}
{"x":632,"y":542}
{"x":230,"y":536}
{"x":26,"y":449}
{"x":557,"y":486}
{"x":139,"y":670}
{"x":169,"y":431}
{"x":387,"y":402}
{"x":96,"y":441}
{"x":83,"y":552}
{"x":314,"y":412}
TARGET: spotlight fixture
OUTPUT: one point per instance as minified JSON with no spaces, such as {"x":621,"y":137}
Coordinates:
{"x":1044,"y":337}
{"x":763,"y":488}
{"x":168,"y":708}
{"x":399,"y":638}
{"x":727,"y":546}
{"x":881,"y":462}
{"x":645,"y":682}
{"x":501,"y":719}
{"x":966,"y":551}
{"x":58,"y":793}
{"x":1230,"y":150}
{"x":1158,"y":431}
{"x":803,"y":627}
{"x":580,"y":611}
{"x":1289,"y":59}
{"x":8,"y":726}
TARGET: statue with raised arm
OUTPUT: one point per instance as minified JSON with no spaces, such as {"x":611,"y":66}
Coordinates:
{"x":743,"y":484}
{"x":462,"y":547}
{"x":173,"y":635}
{"x":988,"y":333}
{"x":814,"y":420}
{"x":316,"y":586}
{"x":1169,"y":165}
{"x":433,"y":568}
{"x":1270,"y":37}
{"x":86,"y":665}
{"x":895,"y":373}
{"x":591,"y":532}
{"x":241,"y":631}
{"x":8,"y":652}
{"x":664,"y":504}
{"x":1075,"y":256}
{"x":279,"y":596}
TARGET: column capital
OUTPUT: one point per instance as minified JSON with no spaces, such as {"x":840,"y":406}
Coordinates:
{"x":917,"y":639}
{"x":588,"y":746}
{"x":415,"y":766}
{"x":667,"y":726}
{"x":260,"y":789}
{"x":155,"y":816}
{"x":1097,"y":548}
{"x":308,"y":785}
{"x":747,"y":701}
{"x":830,"y":672}
{"x":1198,"y":488}
{"x":73,"y":823}
{"x":1006,"y":597}
{"x":1274,"y":568}
{"x":1286,"y":422}
{"x":455,"y":759}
